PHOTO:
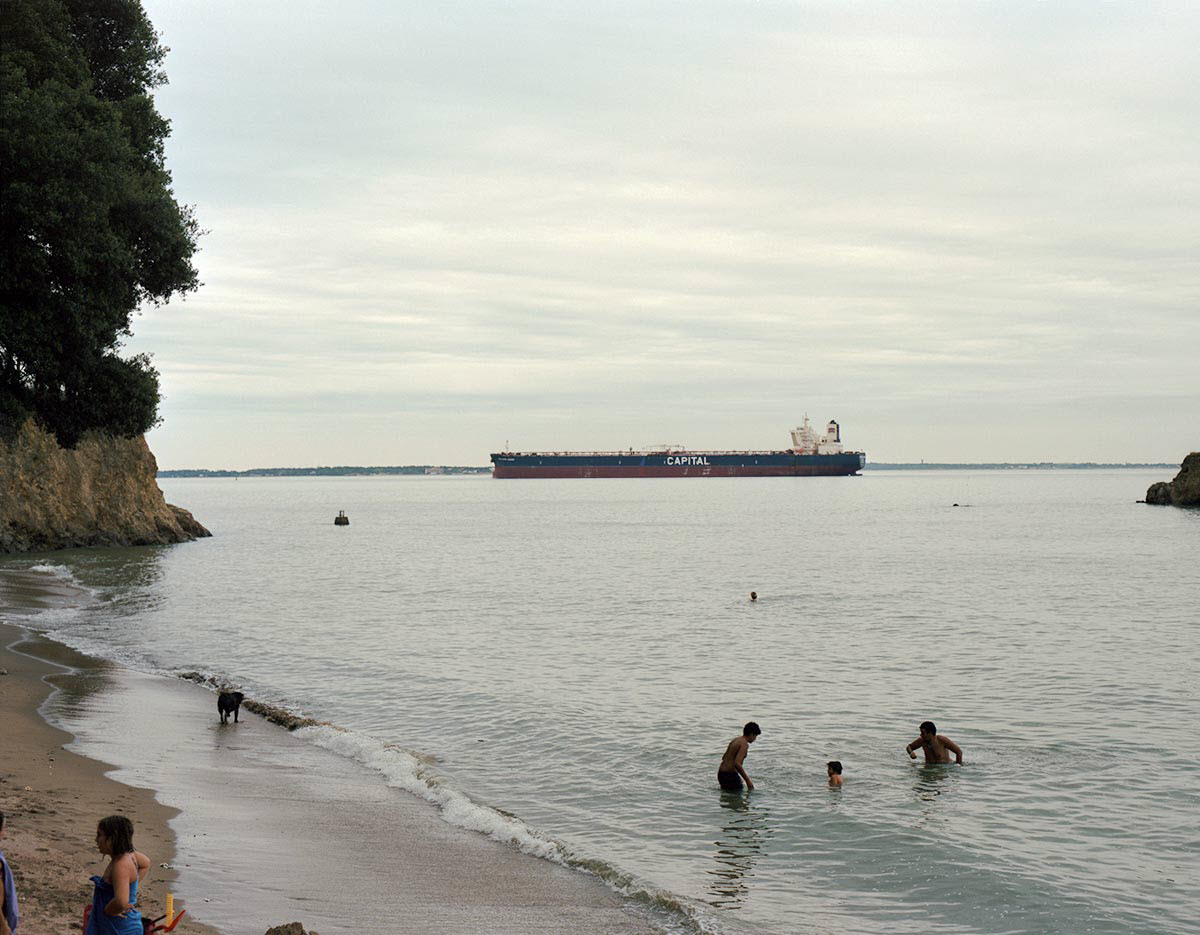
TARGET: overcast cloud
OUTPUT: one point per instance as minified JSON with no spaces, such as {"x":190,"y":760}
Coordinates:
{"x":966,"y":231}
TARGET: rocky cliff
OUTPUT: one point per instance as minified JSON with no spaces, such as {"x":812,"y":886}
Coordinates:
{"x":1184,"y":490}
{"x":102,"y":492}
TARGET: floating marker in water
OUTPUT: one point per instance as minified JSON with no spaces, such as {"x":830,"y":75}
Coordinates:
{"x":170,"y":907}
{"x":341,"y":519}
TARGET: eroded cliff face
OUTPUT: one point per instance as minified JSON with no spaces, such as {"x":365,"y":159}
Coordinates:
{"x":102,"y":492}
{"x":1184,"y":490}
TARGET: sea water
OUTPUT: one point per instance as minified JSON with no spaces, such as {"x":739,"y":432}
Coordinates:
{"x":561,"y":663}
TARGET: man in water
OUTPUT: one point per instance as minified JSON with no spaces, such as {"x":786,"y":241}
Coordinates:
{"x":730,"y":774}
{"x":936,"y":746}
{"x":834,"y":769}
{"x":754,"y":595}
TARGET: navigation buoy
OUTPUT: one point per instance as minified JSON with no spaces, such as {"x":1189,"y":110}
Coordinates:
{"x":341,"y":519}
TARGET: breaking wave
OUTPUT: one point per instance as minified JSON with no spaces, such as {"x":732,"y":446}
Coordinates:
{"x":414,"y":772}
{"x":400,"y":767}
{"x":411,"y":771}
{"x":43,"y":596}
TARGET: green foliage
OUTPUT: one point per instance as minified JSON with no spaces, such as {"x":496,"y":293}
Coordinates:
{"x":118,"y":396}
{"x":91,"y":228}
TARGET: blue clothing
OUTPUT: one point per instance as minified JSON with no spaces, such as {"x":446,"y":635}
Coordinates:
{"x":99,"y":924}
{"x":10,"y":893}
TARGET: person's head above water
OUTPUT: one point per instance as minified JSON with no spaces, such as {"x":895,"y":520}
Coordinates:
{"x":751,"y":730}
{"x":928,"y":729}
{"x":834,"y":767}
{"x":754,"y":595}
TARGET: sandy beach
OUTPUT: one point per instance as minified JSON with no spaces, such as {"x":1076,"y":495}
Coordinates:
{"x":260,"y":827}
{"x":52,"y":799}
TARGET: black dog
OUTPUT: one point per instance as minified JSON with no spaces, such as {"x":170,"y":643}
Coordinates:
{"x":228,"y":703}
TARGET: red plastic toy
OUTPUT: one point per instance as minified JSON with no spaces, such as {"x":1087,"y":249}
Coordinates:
{"x":149,"y":926}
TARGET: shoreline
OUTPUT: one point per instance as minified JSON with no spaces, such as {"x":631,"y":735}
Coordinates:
{"x":258,"y":818}
{"x":52,"y":797}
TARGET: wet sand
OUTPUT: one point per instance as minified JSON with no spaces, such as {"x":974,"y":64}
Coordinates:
{"x":52,"y":799}
{"x":274,"y":828}
{"x":264,"y":827}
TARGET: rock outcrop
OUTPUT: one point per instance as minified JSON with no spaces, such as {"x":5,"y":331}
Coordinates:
{"x":102,"y":492}
{"x":1184,"y":490}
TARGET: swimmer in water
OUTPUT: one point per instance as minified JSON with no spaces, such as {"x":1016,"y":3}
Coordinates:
{"x":730,"y":774}
{"x":834,"y":769}
{"x":937,"y":747}
{"x":754,"y":595}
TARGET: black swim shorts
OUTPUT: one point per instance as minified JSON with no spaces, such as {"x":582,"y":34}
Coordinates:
{"x":730,"y":781}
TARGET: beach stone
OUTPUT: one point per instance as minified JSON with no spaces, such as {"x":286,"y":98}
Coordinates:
{"x":290,"y":928}
{"x":1184,"y":490}
{"x":286,"y":719}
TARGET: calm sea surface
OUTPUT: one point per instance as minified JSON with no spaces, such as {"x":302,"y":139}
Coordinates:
{"x":577,"y":654}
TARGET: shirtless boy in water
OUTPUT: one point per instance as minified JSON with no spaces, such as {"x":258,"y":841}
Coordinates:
{"x":936,"y":746}
{"x":730,"y":774}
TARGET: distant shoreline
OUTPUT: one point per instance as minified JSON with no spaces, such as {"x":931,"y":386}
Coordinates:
{"x":348,"y":471}
{"x":1017,"y":466}
{"x":427,"y":469}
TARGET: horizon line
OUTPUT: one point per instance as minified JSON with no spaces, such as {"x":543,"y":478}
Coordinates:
{"x":477,"y":468}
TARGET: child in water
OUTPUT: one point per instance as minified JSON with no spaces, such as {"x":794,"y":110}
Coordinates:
{"x":834,"y":769}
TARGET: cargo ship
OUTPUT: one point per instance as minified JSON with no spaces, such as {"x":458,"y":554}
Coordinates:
{"x":811,"y":455}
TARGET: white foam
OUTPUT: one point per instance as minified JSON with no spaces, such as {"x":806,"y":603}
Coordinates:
{"x":49,"y":618}
{"x":403,"y":770}
{"x":95,"y":647}
{"x":62,"y":571}
{"x":63,"y":575}
{"x":412,"y":772}
{"x":59,"y":605}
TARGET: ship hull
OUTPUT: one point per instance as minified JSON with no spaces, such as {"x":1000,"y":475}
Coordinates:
{"x":676,"y":464}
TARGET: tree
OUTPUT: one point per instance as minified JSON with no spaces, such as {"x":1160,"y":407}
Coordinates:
{"x":91,"y":228}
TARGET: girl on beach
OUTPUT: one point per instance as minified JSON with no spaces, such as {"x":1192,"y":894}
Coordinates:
{"x":116,"y":892}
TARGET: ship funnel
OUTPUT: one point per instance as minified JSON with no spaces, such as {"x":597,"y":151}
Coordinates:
{"x":831,"y":442}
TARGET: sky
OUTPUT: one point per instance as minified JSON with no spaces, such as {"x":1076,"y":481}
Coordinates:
{"x":966,"y":231}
